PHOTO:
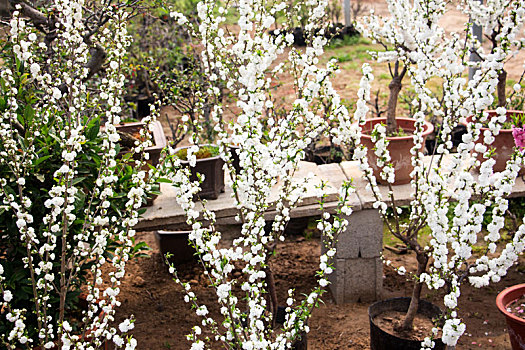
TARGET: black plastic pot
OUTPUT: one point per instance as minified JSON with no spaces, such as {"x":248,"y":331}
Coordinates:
{"x":296,"y":226}
{"x":324,"y":154}
{"x":381,"y":340}
{"x":212,"y":169}
{"x":236,"y":163}
{"x":339,"y":31}
{"x":176,"y":243}
{"x":298,"y":344}
{"x":143,"y":106}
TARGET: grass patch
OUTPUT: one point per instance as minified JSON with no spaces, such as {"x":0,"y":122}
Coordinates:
{"x":347,"y":41}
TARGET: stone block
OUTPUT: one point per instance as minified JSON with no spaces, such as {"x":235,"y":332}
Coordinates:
{"x":363,"y":280}
{"x":363,"y":237}
{"x":337,"y":281}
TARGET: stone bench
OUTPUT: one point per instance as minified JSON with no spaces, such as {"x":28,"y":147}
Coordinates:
{"x":358,"y":272}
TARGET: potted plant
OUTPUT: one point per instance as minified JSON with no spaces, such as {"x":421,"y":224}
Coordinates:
{"x":500,"y":26}
{"x":511,"y":304}
{"x":133,"y":133}
{"x":446,"y":197}
{"x":207,"y":162}
{"x":399,"y":131}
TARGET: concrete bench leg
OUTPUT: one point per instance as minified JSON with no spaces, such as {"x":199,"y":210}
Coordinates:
{"x":358,"y":274}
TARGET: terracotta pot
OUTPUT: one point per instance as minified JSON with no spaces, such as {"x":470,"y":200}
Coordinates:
{"x":212,"y":169}
{"x":503,"y":143}
{"x":399,"y":148}
{"x":515,"y":325}
{"x":176,"y":243}
{"x":382,"y":340}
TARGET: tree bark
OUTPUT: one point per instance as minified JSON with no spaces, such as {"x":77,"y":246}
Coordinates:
{"x":270,"y":281}
{"x":407,"y":324}
{"x":502,"y":82}
{"x":395,"y":88}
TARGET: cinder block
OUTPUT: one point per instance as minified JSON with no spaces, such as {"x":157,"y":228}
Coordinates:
{"x":363,"y":237}
{"x":337,"y":281}
{"x":363,"y":279}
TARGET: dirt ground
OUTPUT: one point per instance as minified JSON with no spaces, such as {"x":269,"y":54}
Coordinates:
{"x":163,"y":318}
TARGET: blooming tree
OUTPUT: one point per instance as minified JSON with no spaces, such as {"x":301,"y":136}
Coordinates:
{"x":69,"y":201}
{"x":502,"y":22}
{"x":448,"y":196}
{"x":245,"y":62}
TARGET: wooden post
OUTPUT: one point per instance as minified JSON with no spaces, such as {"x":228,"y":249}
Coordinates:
{"x":348,"y":13}
{"x":477,"y":31}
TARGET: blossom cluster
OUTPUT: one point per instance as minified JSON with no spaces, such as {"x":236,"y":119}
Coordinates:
{"x":448,"y":196}
{"x":270,"y":148}
{"x":61,"y":178}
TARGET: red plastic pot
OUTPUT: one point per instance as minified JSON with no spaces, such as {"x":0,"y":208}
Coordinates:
{"x":398,"y":147}
{"x":503,"y":142}
{"x":515,"y":324}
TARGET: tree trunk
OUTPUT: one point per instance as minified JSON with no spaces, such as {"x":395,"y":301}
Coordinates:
{"x":270,"y":282}
{"x":4,"y":8}
{"x":407,"y":324}
{"x":395,"y":88}
{"x":502,"y":82}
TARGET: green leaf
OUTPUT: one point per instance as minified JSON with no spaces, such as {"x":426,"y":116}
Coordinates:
{"x":29,"y":113}
{"x":41,"y":159}
{"x":92,"y":133}
{"x":164,"y":180}
{"x":78,"y":180}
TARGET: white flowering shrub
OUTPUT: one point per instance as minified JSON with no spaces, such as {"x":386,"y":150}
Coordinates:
{"x":68,"y":199}
{"x":502,"y":25}
{"x":448,"y":196}
{"x":271,"y":145}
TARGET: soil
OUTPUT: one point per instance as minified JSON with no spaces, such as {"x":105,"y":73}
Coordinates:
{"x":517,"y":307}
{"x":149,"y":293}
{"x":203,"y":152}
{"x":387,"y":321}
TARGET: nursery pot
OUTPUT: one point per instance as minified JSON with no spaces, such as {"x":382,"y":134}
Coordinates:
{"x":176,"y":243}
{"x":503,"y":143}
{"x":381,"y":340}
{"x":515,"y":325}
{"x":158,"y":138}
{"x":324,"y":154}
{"x":298,"y":344}
{"x":212,"y":169}
{"x":398,"y":147}
{"x":143,"y":106}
